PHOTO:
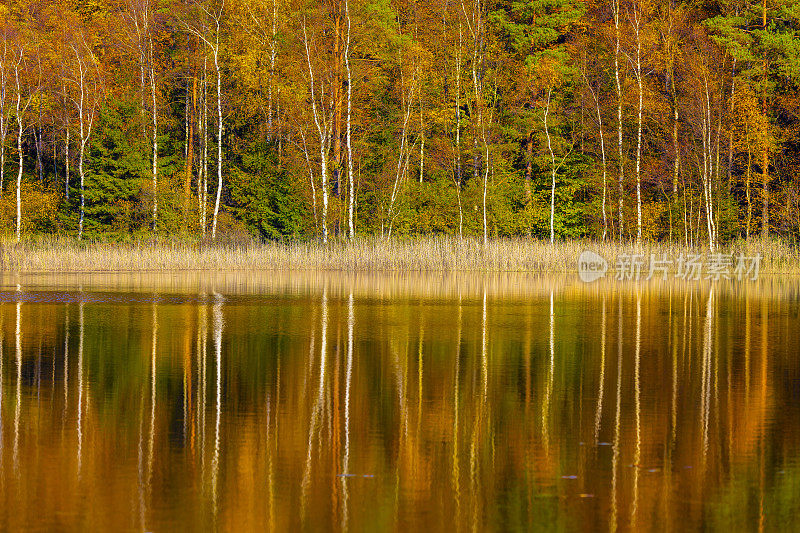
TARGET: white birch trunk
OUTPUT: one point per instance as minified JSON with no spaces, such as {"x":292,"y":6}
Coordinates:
{"x":324,"y":186}
{"x":401,"y":168}
{"x":66,"y":162}
{"x":215,"y":50}
{"x":615,"y":8}
{"x":202,"y":191}
{"x":477,"y":55}
{"x":421,"y":140}
{"x":155,"y":136}
{"x":81,"y":174}
{"x":86,"y":120}
{"x":458,"y":133}
{"x":350,"y":180}
{"x":82,"y":146}
{"x":216,"y":17}
{"x":603,"y":155}
{"x":485,"y":188}
{"x":4,"y":119}
{"x":323,"y":129}
{"x":708,"y":171}
{"x":552,"y":169}
{"x":637,"y":30}
{"x":19,"y":150}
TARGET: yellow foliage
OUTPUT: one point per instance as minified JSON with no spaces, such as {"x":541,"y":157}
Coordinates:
{"x":653,"y":215}
{"x":751,"y":128}
{"x":39,"y":208}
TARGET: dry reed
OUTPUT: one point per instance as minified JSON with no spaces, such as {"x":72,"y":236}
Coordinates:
{"x":421,"y":254}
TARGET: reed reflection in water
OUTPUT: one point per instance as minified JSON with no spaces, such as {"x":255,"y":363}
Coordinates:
{"x":352,"y":404}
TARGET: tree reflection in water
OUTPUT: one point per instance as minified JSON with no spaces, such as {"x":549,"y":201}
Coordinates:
{"x":311,"y":401}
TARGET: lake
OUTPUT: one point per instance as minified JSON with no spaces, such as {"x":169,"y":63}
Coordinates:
{"x":412,"y":402}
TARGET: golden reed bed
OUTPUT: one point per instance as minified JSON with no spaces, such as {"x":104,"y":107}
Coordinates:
{"x":420,"y":254}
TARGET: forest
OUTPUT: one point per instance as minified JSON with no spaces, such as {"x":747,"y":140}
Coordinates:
{"x":656,"y":120}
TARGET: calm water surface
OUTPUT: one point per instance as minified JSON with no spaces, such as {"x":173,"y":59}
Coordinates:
{"x":278,"y":401}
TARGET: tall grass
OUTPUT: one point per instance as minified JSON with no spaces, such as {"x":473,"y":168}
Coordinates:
{"x":420,"y":254}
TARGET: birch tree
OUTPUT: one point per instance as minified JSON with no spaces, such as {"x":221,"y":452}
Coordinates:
{"x":458,"y":176}
{"x":209,"y":33}
{"x":636,"y":61}
{"x":408,"y":89}
{"x":4,"y":106}
{"x":202,"y":175}
{"x":620,"y":161}
{"x":323,"y":120}
{"x":19,"y":111}
{"x":476,"y":25}
{"x":350,"y":180}
{"x":85,"y":91}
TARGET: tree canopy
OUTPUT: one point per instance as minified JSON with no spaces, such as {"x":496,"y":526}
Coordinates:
{"x":278,"y":120}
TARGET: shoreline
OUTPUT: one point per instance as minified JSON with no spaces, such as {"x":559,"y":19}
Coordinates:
{"x":417,"y":254}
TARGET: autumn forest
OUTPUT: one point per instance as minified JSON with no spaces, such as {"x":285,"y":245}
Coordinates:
{"x":557,"y":119}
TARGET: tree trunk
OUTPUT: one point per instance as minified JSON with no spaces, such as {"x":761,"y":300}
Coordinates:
{"x":191,"y":113}
{"x":38,"y":139}
{"x":350,"y":180}
{"x":478,"y":107}
{"x":19,"y":151}
{"x":485,"y":188}
{"x":336,"y":136}
{"x":4,"y":119}
{"x":747,"y":194}
{"x":155,"y":136}
{"x":765,"y":192}
{"x":477,"y":85}
{"x":639,"y":75}
{"x":219,"y":136}
{"x":552,"y":170}
{"x":707,"y":170}
{"x":324,"y":140}
{"x":66,"y":163}
{"x":401,"y":167}
{"x":458,"y":179}
{"x":202,"y":190}
{"x":83,"y":199}
{"x":421,"y":140}
{"x":528,"y":166}
{"x":458,"y":111}
{"x":615,"y":8}
{"x":676,"y":165}
{"x":764,"y":150}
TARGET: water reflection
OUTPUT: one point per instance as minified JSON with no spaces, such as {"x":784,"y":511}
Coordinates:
{"x":18,"y":399}
{"x":2,"y":425}
{"x":617,"y":414}
{"x":344,"y":405}
{"x":349,"y":375}
{"x":218,"y":325}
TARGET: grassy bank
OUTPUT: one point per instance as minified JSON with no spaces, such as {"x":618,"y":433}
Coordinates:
{"x":424,"y":254}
